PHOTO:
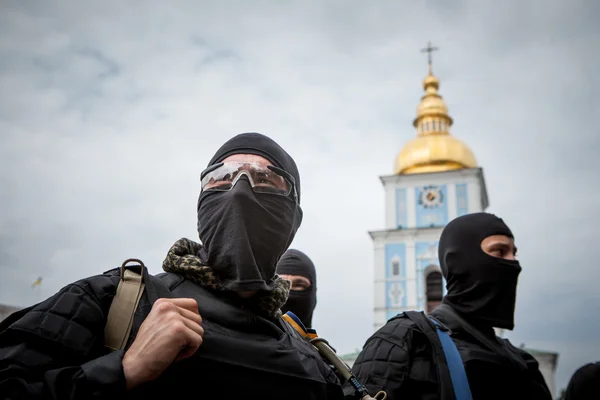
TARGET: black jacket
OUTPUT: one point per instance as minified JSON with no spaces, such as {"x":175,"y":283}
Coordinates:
{"x":55,"y":351}
{"x":399,"y":359}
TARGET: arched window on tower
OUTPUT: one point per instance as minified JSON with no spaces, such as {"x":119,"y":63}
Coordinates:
{"x":433,"y":288}
{"x":395,"y":267}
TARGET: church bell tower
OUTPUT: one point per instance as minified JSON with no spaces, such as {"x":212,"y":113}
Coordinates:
{"x":436,"y":179}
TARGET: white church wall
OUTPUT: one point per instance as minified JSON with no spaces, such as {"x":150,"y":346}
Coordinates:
{"x":390,"y":206}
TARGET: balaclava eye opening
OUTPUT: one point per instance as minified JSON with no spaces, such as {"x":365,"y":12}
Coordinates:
{"x":245,"y":233}
{"x":480,"y":286}
{"x":301,"y":302}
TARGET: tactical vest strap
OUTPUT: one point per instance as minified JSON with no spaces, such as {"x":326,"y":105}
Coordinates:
{"x":125,"y":303}
{"x":458,"y":375}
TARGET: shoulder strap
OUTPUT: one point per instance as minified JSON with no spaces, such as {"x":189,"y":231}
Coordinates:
{"x":458,"y":375}
{"x":497,"y":346}
{"x":124,"y":304}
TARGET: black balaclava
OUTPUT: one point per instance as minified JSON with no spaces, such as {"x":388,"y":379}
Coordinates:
{"x":481,"y":287}
{"x":301,"y":302}
{"x":244,"y":233}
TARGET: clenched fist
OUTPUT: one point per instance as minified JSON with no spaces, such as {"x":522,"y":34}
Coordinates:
{"x":171,"y":332}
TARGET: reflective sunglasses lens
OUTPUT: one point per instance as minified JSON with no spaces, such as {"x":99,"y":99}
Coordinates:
{"x":261,"y":178}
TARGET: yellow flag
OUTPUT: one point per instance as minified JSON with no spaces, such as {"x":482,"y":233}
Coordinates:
{"x":37,"y":282}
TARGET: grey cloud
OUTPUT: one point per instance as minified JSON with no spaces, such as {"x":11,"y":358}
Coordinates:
{"x":108,"y":113}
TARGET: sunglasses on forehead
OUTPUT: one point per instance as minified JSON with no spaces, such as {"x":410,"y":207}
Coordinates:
{"x":263,"y":178}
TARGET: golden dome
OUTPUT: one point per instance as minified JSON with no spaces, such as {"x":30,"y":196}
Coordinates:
{"x":434,"y":149}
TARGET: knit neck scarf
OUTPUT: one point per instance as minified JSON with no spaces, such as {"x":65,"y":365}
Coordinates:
{"x":183,"y":260}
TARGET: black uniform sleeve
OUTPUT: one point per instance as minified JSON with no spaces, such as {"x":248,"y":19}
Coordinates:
{"x":55,"y":350}
{"x":384,"y":362}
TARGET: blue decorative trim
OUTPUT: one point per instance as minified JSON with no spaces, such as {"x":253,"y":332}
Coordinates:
{"x":401,"y":209}
{"x":462,"y":199}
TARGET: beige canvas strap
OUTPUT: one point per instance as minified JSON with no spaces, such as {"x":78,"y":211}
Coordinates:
{"x":123,"y":307}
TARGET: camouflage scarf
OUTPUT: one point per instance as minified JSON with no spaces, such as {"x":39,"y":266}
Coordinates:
{"x":182,"y":259}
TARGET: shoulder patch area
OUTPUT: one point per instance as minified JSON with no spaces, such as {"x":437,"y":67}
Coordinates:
{"x":398,"y":326}
{"x":74,"y":318}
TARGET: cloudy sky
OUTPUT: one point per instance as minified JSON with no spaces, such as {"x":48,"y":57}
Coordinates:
{"x":109,"y":110}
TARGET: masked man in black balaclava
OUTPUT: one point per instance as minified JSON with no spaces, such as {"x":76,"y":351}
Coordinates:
{"x":404,"y":358}
{"x":584,"y":383}
{"x":296,"y":267}
{"x":210,"y":325}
